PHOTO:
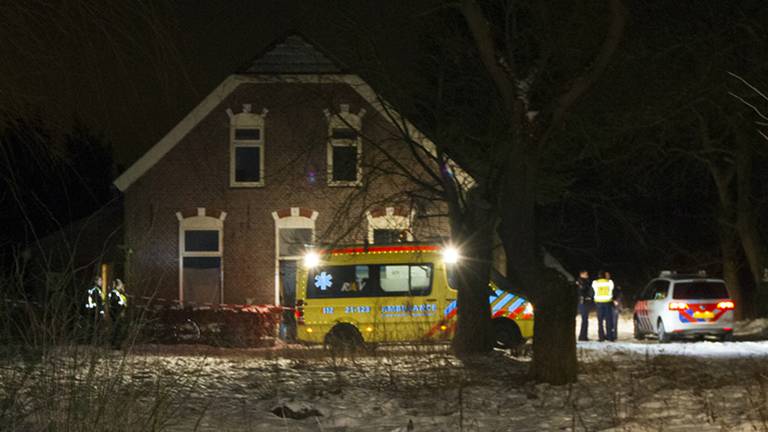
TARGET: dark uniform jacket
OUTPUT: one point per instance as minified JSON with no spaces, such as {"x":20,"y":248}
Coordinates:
{"x":586,"y":293}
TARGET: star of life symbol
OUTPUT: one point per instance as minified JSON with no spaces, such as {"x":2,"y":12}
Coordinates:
{"x":323,"y":281}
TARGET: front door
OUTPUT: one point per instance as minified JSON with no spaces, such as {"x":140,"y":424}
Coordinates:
{"x":288,"y":298}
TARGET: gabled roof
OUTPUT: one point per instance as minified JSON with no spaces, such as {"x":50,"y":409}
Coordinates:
{"x":293,"y":55}
{"x":291,"y":60}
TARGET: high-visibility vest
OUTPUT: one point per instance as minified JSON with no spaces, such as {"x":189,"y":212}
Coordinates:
{"x":117,"y":297}
{"x":603,"y":290}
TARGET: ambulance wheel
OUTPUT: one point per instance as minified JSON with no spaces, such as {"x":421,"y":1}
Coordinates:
{"x":639,"y":335}
{"x":664,"y":337}
{"x":727,"y":337}
{"x":507,"y":334}
{"x":343,"y":337}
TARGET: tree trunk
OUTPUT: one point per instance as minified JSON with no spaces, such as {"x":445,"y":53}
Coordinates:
{"x":729,"y":249}
{"x":554,"y":300}
{"x":474,"y":331}
{"x":746,"y":225}
{"x":554,"y":342}
{"x":474,"y":237}
{"x":729,"y":236}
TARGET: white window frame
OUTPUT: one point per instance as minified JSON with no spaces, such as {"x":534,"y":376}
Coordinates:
{"x":390,"y":221}
{"x":345,"y":120}
{"x":246,"y":120}
{"x":295,"y":220}
{"x":197,"y":223}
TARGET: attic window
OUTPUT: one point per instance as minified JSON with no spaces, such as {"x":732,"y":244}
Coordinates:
{"x":246,"y":152}
{"x":345,"y":147}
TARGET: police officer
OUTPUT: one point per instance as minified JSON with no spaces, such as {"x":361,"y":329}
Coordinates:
{"x":93,"y":309}
{"x":117,"y":302}
{"x":586,"y":302}
{"x":94,"y":304}
{"x":603,"y":288}
{"x":116,"y":299}
{"x":617,"y":298}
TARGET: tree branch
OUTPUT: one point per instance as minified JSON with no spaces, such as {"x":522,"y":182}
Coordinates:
{"x":583,"y":83}
{"x":503,"y":77}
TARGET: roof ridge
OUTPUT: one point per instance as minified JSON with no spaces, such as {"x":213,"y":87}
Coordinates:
{"x":293,"y":52}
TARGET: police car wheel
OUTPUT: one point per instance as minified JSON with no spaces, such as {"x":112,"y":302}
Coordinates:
{"x":507,"y":334}
{"x":343,"y":337}
{"x":639,"y":335}
{"x":663,"y":335}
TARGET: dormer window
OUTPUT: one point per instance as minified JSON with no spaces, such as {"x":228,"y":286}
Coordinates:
{"x":246,"y":151}
{"x":345,"y":148}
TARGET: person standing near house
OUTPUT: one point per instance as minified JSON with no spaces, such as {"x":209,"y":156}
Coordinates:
{"x":603,"y":288}
{"x":93,"y":309}
{"x":617,"y":308}
{"x":586,"y":302}
{"x":117,"y":302}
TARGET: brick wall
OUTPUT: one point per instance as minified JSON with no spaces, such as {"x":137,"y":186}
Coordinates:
{"x":195,"y":173}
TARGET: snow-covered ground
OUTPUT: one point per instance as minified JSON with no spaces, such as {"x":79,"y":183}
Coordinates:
{"x":623,"y":386}
{"x":744,"y":331}
{"x":618,"y":389}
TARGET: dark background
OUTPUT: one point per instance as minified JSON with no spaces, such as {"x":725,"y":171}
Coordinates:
{"x":127,"y":72}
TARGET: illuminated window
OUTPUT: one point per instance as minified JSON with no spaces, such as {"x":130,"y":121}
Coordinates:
{"x":246,"y":155}
{"x":389,"y":225}
{"x":345,"y":147}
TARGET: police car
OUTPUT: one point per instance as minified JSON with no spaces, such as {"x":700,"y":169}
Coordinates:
{"x":678,"y":305}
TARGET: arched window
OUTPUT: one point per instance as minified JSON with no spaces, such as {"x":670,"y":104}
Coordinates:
{"x":246,"y":148}
{"x":345,"y":148}
{"x":389,"y":225}
{"x":201,"y":248}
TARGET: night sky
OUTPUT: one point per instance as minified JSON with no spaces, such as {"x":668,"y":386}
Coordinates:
{"x":134,"y":70}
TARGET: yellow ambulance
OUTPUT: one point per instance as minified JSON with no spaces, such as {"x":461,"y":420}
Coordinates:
{"x":393,"y":293}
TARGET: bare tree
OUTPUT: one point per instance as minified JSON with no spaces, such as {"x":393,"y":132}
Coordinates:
{"x":500,"y":84}
{"x":740,"y":172}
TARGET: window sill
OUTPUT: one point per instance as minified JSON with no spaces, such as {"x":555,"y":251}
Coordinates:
{"x":243,"y":185}
{"x":345,"y":183}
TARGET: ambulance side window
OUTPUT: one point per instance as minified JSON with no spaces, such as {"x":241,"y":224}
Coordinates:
{"x":393,"y":279}
{"x":340,"y":281}
{"x":421,"y":279}
{"x":405,"y":279}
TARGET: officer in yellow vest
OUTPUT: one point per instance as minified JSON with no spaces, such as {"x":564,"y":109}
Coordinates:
{"x":603,"y":288}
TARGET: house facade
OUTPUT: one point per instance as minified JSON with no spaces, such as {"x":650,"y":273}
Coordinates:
{"x":292,"y":151}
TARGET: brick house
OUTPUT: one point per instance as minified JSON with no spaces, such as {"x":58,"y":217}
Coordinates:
{"x":291,"y":151}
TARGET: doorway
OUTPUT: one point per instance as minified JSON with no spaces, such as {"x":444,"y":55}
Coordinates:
{"x":288,"y":298}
